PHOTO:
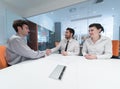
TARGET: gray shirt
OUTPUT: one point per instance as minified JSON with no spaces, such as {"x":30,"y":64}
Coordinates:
{"x":101,"y":48}
{"x":18,"y":51}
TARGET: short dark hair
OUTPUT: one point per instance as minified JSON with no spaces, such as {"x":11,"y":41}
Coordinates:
{"x":97,"y":25}
{"x":20,"y":23}
{"x":71,"y":30}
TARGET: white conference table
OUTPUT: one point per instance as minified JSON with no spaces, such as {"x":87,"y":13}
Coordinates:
{"x":79,"y":74}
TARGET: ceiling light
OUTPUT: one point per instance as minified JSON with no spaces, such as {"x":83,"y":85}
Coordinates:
{"x":85,"y":18}
{"x":51,"y":12}
{"x":99,"y":1}
{"x":94,"y":12}
{"x":72,"y":10}
{"x":113,"y":8}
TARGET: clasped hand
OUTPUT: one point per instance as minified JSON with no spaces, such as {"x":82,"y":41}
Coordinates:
{"x":90,"y":56}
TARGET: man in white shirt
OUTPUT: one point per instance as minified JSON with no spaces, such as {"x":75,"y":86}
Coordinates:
{"x":68,"y":46}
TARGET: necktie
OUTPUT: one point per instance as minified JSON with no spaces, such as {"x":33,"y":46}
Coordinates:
{"x":66,"y":46}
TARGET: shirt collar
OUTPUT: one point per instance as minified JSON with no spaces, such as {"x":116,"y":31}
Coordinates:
{"x":69,"y":40}
{"x":101,"y":39}
{"x":19,"y":36}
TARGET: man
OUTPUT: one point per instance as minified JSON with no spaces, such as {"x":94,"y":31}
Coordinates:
{"x":17,"y":49}
{"x":68,"y":46}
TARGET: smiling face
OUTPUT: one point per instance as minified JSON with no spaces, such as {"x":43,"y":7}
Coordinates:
{"x":94,"y":32}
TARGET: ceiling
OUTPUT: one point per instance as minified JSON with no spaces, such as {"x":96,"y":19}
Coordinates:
{"x":59,"y":10}
{"x":27,"y":8}
{"x":84,"y":10}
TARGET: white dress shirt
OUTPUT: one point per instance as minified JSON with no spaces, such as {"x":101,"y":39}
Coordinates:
{"x":72,"y":49}
{"x":101,"y":48}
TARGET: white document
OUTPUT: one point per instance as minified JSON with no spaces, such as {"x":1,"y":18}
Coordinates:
{"x":58,"y":72}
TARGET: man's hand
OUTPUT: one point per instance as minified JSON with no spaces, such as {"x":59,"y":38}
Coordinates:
{"x":64,"y":53}
{"x":48,"y":51}
{"x":90,"y":56}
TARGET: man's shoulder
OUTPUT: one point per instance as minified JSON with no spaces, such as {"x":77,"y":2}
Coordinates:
{"x":74,"y":40}
{"x":14,"y":37}
{"x":63,"y":40}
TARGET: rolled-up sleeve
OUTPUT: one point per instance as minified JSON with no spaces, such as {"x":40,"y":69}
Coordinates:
{"x":56,"y":48}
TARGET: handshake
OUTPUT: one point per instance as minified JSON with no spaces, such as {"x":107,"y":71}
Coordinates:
{"x":48,"y":52}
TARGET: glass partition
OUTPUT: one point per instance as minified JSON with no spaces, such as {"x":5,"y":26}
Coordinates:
{"x":44,"y":38}
{"x":79,"y":16}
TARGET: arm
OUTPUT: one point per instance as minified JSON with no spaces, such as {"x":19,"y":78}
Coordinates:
{"x":108,"y":50}
{"x":19,"y":47}
{"x":84,"y":49}
{"x":85,"y":52}
{"x":56,"y":48}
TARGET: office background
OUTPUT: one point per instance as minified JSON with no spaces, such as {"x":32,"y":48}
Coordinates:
{"x":52,"y":24}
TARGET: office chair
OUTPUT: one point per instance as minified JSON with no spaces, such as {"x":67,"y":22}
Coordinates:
{"x":115,"y":48}
{"x":3,"y":63}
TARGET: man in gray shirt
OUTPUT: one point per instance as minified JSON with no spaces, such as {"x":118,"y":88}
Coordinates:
{"x":17,"y":50}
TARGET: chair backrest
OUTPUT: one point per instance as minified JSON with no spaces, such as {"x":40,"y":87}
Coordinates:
{"x":115,"y":48}
{"x":119,"y":47}
{"x":3,"y":63}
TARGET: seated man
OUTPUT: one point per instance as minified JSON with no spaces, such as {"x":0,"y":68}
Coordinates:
{"x":17,"y":49}
{"x":68,"y":46}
